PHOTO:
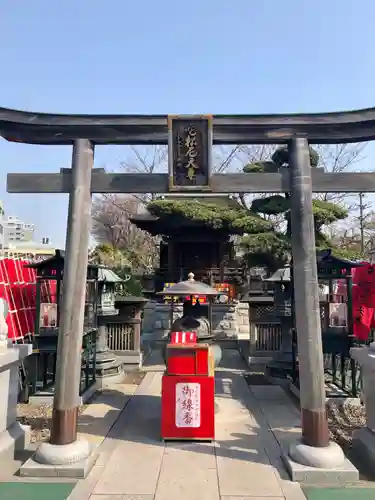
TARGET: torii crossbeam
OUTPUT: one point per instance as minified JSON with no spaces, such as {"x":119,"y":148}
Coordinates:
{"x":102,"y":182}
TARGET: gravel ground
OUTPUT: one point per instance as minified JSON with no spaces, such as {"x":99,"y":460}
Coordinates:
{"x":343,"y":420}
{"x":39,"y":416}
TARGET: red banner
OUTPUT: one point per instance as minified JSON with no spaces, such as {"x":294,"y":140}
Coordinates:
{"x":363,"y":300}
{"x":18,"y":288}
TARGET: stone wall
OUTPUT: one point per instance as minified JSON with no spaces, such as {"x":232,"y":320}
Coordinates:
{"x":229,"y":321}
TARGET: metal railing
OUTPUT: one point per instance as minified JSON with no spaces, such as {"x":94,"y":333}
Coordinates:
{"x":340,"y":369}
{"x":343,"y":372}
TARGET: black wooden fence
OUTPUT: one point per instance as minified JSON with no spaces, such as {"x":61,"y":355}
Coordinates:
{"x":341,"y":371}
{"x":38,"y":371}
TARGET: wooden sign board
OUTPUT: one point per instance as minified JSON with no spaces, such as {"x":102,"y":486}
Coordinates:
{"x":190,"y":153}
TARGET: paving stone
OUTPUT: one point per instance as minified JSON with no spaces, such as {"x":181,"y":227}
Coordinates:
{"x":83,"y":489}
{"x":133,"y":468}
{"x":268,"y":392}
{"x":292,"y":491}
{"x":225,"y":497}
{"x":185,"y":484}
{"x":191,"y":456}
{"x":106,"y":497}
{"x":137,"y":497}
{"x":247,"y":478}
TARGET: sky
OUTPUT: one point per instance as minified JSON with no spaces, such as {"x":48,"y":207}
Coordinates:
{"x":200,"y":56}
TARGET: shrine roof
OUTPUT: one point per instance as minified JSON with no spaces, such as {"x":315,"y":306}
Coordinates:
{"x":156,"y":226}
{"x":169,"y":227}
{"x":327,"y":258}
{"x":55,"y":262}
{"x":281,"y":275}
{"x":107,"y":275}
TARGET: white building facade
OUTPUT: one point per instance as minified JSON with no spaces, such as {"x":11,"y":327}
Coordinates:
{"x":15,"y":231}
{"x":1,"y":225}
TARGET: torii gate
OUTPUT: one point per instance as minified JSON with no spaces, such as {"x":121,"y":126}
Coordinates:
{"x":189,"y":140}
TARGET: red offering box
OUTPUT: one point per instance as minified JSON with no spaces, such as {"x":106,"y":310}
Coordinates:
{"x":188,"y":408}
{"x":188,"y":359}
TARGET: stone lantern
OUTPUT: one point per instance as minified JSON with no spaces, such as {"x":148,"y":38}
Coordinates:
{"x":193,"y":318}
{"x":107,"y":364}
{"x":281,"y":365}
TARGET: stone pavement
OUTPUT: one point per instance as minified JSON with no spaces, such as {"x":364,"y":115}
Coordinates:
{"x":242,"y":464}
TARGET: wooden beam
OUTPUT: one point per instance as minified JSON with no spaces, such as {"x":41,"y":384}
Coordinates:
{"x":100,"y":183}
{"x":318,"y":128}
{"x":348,"y":182}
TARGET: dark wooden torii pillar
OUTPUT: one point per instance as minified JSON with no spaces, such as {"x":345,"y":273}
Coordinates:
{"x":68,"y":366}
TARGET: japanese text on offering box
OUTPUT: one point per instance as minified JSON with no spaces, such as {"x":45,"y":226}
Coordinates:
{"x":188,"y":405}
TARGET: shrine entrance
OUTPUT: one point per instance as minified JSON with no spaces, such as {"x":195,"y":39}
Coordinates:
{"x":190,"y":140}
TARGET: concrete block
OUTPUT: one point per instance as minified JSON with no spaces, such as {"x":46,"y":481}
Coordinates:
{"x":12,"y":434}
{"x":344,"y":474}
{"x":15,"y":437}
{"x":364,"y":443}
{"x":78,"y":470}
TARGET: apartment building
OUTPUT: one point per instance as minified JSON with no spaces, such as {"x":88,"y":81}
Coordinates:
{"x":30,"y":249}
{"x":15,"y":230}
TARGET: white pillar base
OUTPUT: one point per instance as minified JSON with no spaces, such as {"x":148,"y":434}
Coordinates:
{"x":74,"y":460}
{"x":55,"y":454}
{"x":322,"y":466}
{"x":328,"y":457}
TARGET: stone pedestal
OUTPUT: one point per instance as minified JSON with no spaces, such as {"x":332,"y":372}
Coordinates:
{"x":326,"y":466}
{"x":107,"y":364}
{"x":282,"y":364}
{"x":364,"y":439}
{"x":12,"y":434}
{"x":230,"y":323}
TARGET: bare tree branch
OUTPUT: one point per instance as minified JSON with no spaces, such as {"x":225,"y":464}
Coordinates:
{"x":339,"y":158}
{"x":224,"y":158}
{"x":247,"y":154}
{"x":111,"y":225}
